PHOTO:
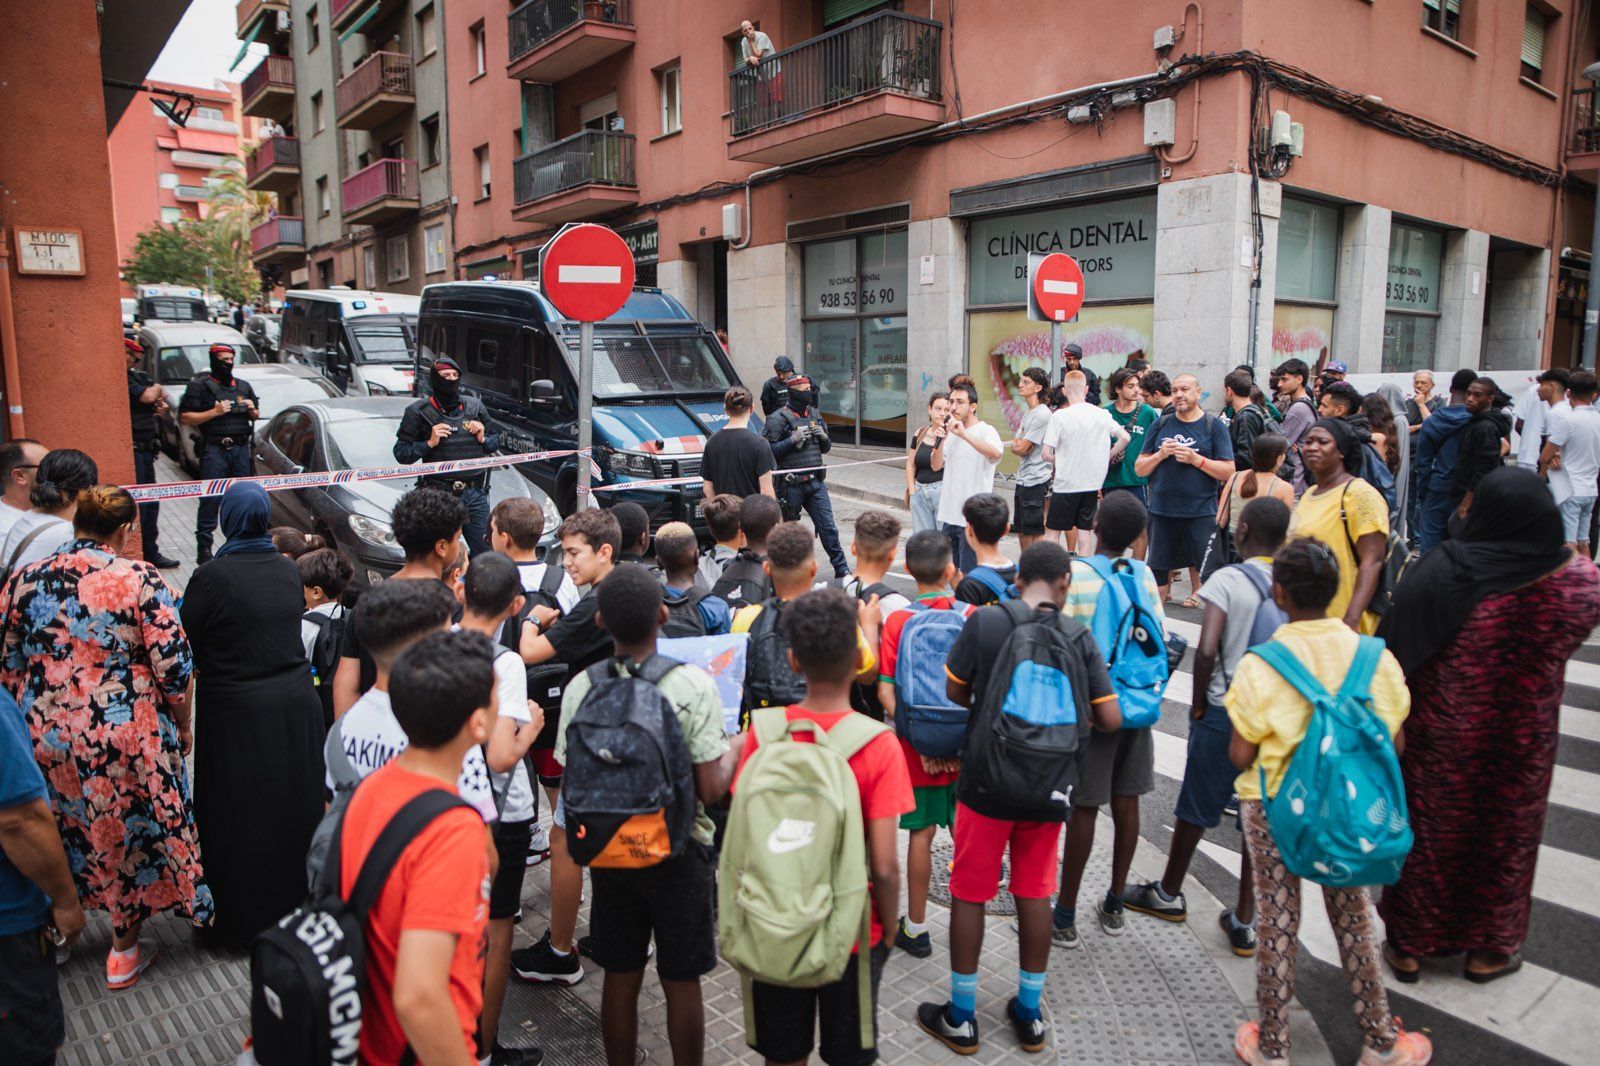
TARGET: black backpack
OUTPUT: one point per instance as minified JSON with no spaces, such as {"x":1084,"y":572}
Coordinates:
{"x":546,"y":680}
{"x":683,"y":615}
{"x":743,"y":581}
{"x":769,"y":680}
{"x":308,"y":972}
{"x":864,"y":694}
{"x":628,"y":791}
{"x":1032,"y":720}
{"x":325,"y":656}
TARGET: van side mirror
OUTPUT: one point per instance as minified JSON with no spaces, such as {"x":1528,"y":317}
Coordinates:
{"x":542,"y":394}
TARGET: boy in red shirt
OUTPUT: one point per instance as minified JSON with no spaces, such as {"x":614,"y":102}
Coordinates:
{"x":425,"y":934}
{"x":823,"y":640}
{"x":932,"y":780}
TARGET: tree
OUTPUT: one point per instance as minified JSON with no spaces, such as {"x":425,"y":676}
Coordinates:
{"x":175,"y":254}
{"x":235,"y":210}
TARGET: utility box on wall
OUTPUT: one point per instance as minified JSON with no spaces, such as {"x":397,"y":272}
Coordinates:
{"x":1160,"y":123}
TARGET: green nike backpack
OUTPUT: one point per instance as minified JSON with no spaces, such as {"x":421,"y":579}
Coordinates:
{"x":792,"y":893}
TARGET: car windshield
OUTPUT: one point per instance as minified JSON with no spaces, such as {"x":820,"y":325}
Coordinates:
{"x":175,"y":309}
{"x":277,"y":393}
{"x":382,"y":344}
{"x":182,"y":362}
{"x":634,"y":364}
{"x":362,"y":442}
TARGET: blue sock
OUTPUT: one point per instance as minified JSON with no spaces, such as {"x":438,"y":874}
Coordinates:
{"x":1064,"y":916}
{"x":964,"y":997}
{"x":1030,"y":986}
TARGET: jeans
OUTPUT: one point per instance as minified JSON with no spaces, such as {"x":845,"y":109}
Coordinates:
{"x":925,"y":507}
{"x":1433,"y":521}
{"x":476,"y":501}
{"x":144,"y":472}
{"x":961,"y":552}
{"x":1575,"y":515}
{"x":812,"y":497}
{"x":218,"y":462}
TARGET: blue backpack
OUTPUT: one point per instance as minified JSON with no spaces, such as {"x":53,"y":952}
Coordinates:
{"x":1375,"y":472}
{"x":1339,"y":817}
{"x":1130,"y":636}
{"x":990,"y":578}
{"x":924,"y":717}
{"x":1269,"y":616}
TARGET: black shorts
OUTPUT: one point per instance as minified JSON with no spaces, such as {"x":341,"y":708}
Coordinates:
{"x":1073,"y":510}
{"x":1178,"y":542}
{"x":672,"y":900}
{"x":32,"y":1023}
{"x":511,"y":842}
{"x":1031,"y":500}
{"x":786,"y":1018}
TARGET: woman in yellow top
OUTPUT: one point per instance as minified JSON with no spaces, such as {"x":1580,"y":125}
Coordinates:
{"x":1346,"y":514}
{"x":1270,"y":719}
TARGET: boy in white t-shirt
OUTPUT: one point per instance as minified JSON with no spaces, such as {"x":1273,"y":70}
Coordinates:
{"x":1079,"y":443}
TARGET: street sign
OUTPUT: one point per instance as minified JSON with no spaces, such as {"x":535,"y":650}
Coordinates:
{"x":586,"y":271}
{"x":1057,"y":285}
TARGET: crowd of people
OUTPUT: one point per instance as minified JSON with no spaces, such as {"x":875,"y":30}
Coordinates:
{"x":1005,"y":700}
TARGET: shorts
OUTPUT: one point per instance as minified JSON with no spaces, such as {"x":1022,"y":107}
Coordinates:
{"x":1140,"y":492}
{"x":1575,"y":515}
{"x":936,"y":806}
{"x":671,"y":901}
{"x":1030,"y":505}
{"x":1115,"y":764}
{"x":511,"y":842}
{"x":32,"y":1021}
{"x":981,"y":841}
{"x":1179,"y":542}
{"x":1208,"y":773}
{"x":545,"y":764}
{"x":786,"y":1018}
{"x":1073,"y":510}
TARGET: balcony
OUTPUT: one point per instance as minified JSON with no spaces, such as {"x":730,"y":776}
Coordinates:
{"x":278,"y":240}
{"x":554,"y":39}
{"x":380,"y":88}
{"x":1583,"y":154}
{"x":876,"y":78}
{"x":268,"y":90}
{"x":578,"y":177}
{"x":275,"y":167}
{"x":248,"y":11}
{"x":191,"y":194}
{"x":379,"y":193}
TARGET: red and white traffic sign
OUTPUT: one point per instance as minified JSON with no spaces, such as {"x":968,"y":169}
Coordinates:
{"x":1058,"y":286}
{"x":586,"y":271}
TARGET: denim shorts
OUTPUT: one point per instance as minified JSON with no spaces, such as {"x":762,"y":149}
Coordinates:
{"x":1208,"y":773}
{"x":1575,"y":516}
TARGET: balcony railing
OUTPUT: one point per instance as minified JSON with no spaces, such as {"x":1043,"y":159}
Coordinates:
{"x":380,"y":72}
{"x":1586,"y":123}
{"x":387,"y":179}
{"x":888,"y":52}
{"x":536,"y":21}
{"x":272,"y":71}
{"x":273,"y":152}
{"x":274,"y":232}
{"x":591,"y":157}
{"x":247,"y":10}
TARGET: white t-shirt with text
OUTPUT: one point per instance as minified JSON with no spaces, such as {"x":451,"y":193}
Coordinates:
{"x":967,"y":471}
{"x":1081,"y":435}
{"x":371,"y":737}
{"x":511,"y":701}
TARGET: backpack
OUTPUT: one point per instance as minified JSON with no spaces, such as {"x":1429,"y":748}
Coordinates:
{"x":1292,"y":464}
{"x":345,"y":779}
{"x":1268,"y":617}
{"x":792,"y":883}
{"x":1033,"y":719}
{"x":1375,"y":472}
{"x":864,"y":694}
{"x":1397,"y":556}
{"x":924,"y":716}
{"x":1130,"y":636}
{"x":628,"y":790}
{"x":683,"y":615}
{"x":546,"y":680}
{"x":547,"y":595}
{"x":743,"y":580}
{"x":987,"y":576}
{"x":769,"y":680}
{"x":325,"y":656}
{"x":308,"y":972}
{"x":1339,"y":817}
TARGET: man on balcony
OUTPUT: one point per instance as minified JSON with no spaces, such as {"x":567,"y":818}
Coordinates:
{"x":755,"y":51}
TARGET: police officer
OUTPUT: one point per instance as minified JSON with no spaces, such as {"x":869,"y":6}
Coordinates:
{"x":225,"y":410}
{"x":799,"y":440}
{"x":775,"y":392}
{"x":145,"y":401}
{"x":1072,"y":359}
{"x":448,"y":426}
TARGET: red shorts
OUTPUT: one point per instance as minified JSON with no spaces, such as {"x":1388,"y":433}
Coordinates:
{"x":981,"y":843}
{"x":549,"y":770}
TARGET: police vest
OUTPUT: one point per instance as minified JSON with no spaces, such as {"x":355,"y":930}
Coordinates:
{"x":459,"y":444}
{"x":806,"y":455}
{"x":236,"y":423}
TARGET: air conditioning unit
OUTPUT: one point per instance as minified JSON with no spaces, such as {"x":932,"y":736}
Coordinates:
{"x":732,"y":222}
{"x":283,"y":21}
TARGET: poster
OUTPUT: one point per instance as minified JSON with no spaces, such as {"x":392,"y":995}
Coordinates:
{"x":1300,"y":333}
{"x":723,"y":658}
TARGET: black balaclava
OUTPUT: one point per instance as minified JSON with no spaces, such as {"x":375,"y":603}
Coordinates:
{"x":448,"y":393}
{"x":801,"y":393}
{"x":223,"y":372}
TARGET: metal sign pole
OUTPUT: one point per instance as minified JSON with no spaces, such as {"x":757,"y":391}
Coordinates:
{"x":585,"y":411}
{"x":1055,"y":353}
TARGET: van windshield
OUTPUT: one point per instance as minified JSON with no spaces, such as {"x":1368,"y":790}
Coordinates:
{"x":382,"y":343}
{"x":628,"y":363}
{"x":174,"y":309}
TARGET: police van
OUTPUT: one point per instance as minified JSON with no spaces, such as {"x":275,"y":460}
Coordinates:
{"x":659,"y":379}
{"x":172,"y":303}
{"x":362,"y":341}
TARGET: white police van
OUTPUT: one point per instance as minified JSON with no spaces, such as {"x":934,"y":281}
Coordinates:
{"x":362,"y":341}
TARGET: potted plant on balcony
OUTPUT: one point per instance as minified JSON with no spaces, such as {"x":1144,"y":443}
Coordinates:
{"x":595,"y":10}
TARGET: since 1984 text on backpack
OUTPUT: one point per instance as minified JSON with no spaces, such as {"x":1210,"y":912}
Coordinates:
{"x":1131,"y":638}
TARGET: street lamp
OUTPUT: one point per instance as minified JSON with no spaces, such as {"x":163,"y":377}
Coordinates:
{"x":1591,"y":311}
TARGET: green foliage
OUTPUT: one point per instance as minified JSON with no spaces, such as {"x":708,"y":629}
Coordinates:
{"x":169,"y":255}
{"x":212,"y":253}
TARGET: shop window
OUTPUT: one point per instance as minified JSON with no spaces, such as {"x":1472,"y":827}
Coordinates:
{"x":1303,"y":302}
{"x":854,"y":328}
{"x":1411,"y":295}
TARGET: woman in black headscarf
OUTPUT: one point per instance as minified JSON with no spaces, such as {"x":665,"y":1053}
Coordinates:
{"x":1344,"y":512}
{"x":258,"y":725}
{"x":1483,"y":626}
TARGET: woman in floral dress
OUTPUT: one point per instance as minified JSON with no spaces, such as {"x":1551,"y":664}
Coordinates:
{"x":99,"y":663}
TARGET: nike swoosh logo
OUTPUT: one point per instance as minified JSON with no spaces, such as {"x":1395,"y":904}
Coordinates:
{"x":782,"y":845}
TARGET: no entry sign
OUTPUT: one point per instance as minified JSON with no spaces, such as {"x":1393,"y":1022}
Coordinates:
{"x":1057,"y":286}
{"x":586,"y":271}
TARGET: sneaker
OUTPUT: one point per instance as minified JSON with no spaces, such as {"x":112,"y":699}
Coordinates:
{"x":515,"y":1056}
{"x":1147,"y":899}
{"x":1410,"y":1049}
{"x":919,"y":946}
{"x":1112,"y":917}
{"x":539,"y":846}
{"x":541,"y":965}
{"x":1030,"y":1031}
{"x":1231,"y":808}
{"x":122,"y":971}
{"x":934,"y":1019}
{"x":1247,"y":1045}
{"x":1241,"y":937}
{"x":1061,"y":936}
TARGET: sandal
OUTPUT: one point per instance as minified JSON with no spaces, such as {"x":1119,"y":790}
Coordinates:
{"x":1405,"y":977}
{"x":1483,"y":977}
{"x":1192,"y":602}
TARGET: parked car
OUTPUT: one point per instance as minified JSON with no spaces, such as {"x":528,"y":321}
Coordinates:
{"x":346,"y":433}
{"x":360,"y":340}
{"x":261,"y":330}
{"x":172,"y":303}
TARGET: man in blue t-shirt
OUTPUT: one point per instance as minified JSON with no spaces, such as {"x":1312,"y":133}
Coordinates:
{"x":1186,"y":453}
{"x":37,"y":899}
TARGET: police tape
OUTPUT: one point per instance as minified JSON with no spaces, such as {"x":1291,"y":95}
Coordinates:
{"x":624,"y":486}
{"x":188,"y":490}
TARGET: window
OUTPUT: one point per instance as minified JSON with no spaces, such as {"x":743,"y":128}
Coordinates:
{"x":433,"y":248}
{"x":325,"y":267}
{"x":516,"y":143}
{"x":313,"y":28}
{"x":855,"y":333}
{"x":317,"y":125}
{"x":600,"y":113}
{"x":427,"y":35}
{"x":167,"y":180}
{"x":480,"y":50}
{"x":671,"y":100}
{"x":369,"y":266}
{"x":1443,"y":16}
{"x":1411,"y":324}
{"x":397,"y":253}
{"x":1533,"y":32}
{"x":430,"y":141}
{"x":480,"y":159}
{"x":212,"y":113}
{"x":172,"y":215}
{"x":1303,"y":302}
{"x":324,"y":205}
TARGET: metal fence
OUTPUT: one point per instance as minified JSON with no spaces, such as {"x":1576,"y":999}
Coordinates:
{"x":887,"y":52}
{"x":386,"y":179}
{"x":589,"y":157}
{"x":1586,"y":122}
{"x":273,"y":152}
{"x":272,"y":70}
{"x":535,"y":22}
{"x":380,"y":72}
{"x":283,"y":230}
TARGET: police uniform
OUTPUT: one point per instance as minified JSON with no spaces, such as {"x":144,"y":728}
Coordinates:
{"x":143,"y":417}
{"x":449,"y":407}
{"x":799,"y":439}
{"x":775,"y":391}
{"x":225,"y":440}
